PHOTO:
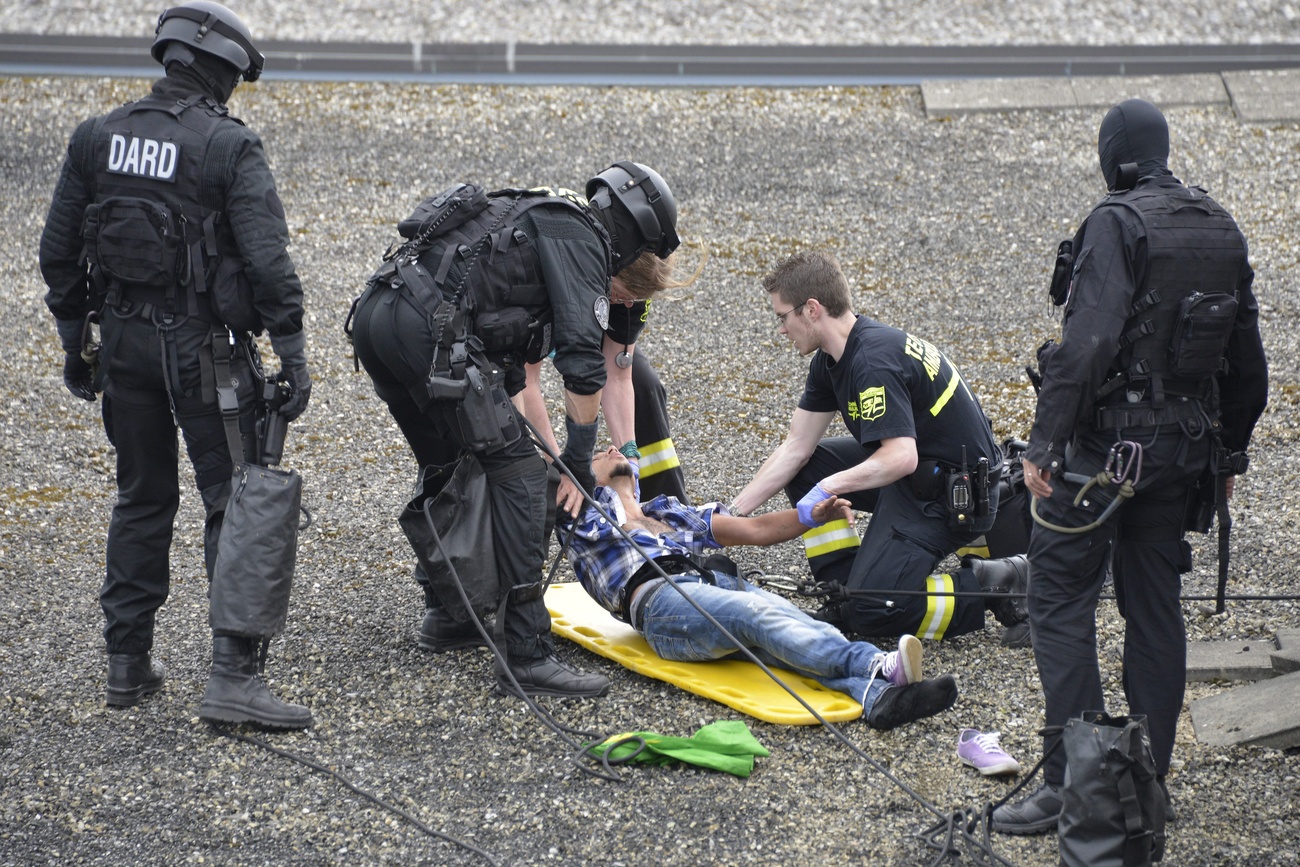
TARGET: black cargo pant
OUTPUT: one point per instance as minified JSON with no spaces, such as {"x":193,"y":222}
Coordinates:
{"x":661,"y":470}
{"x":1067,"y":572}
{"x":394,"y":343}
{"x":155,"y":382}
{"x":903,"y":543}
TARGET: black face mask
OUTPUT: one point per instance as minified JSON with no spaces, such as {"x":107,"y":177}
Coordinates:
{"x":1133,"y":132}
{"x":209,"y":74}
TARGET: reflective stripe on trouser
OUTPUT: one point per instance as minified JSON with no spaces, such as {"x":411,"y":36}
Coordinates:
{"x":829,"y":538}
{"x":938,"y":609}
{"x":658,"y":458}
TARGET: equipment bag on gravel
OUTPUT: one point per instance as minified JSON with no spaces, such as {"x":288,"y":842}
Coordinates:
{"x":1114,"y":809}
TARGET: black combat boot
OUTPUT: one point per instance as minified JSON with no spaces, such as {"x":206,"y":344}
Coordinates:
{"x":549,"y":676}
{"x":132,"y":676}
{"x":1010,"y":575}
{"x":441,"y":632}
{"x":236,"y":693}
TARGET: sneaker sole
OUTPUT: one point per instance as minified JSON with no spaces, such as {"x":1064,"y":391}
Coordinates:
{"x":909,"y":657}
{"x":1010,"y":766}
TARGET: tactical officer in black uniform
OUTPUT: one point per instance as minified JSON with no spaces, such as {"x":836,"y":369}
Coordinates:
{"x":634,"y":401}
{"x":1157,"y":382}
{"x":550,"y":254}
{"x":186,"y":241}
{"x":921,"y":458}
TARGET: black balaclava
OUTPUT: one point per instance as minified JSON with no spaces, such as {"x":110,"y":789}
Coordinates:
{"x":1133,"y":132}
{"x":624,"y":233}
{"x":208,"y":73}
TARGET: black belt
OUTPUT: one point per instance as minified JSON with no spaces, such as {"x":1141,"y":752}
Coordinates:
{"x":672,"y":564}
{"x":1125,"y":416}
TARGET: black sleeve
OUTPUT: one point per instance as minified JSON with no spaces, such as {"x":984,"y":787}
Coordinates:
{"x":1107,"y":272}
{"x":574,"y":265}
{"x":61,"y":245}
{"x":1243,"y":387}
{"x":626,"y":322}
{"x":261,"y":234}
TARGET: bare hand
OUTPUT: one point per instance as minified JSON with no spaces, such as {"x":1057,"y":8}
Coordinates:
{"x":834,"y":509}
{"x":1036,"y":480}
{"x":569,"y":497}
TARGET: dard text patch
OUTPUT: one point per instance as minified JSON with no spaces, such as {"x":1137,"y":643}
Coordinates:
{"x":143,"y":157}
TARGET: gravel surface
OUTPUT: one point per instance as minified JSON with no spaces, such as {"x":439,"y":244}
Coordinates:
{"x":717,"y":22}
{"x":946,"y":229}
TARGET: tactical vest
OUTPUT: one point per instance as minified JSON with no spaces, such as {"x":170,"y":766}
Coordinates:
{"x":481,"y":261}
{"x":148,"y":236}
{"x":1176,"y":334}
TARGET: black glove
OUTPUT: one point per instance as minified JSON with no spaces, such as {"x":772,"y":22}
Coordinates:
{"x":78,"y":375}
{"x":577,"y":452}
{"x":293,"y":370}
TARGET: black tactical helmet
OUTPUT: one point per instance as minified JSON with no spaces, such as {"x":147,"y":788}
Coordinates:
{"x":203,"y":25}
{"x":646,"y":197}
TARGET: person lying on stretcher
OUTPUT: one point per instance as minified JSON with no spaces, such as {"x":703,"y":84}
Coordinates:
{"x":677,"y":537}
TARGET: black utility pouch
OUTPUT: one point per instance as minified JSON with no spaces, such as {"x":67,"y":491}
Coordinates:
{"x":1062,"y":272}
{"x":928,"y":481}
{"x":1201,"y":336}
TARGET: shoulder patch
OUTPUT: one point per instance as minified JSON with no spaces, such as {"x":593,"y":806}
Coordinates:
{"x":601,"y":309}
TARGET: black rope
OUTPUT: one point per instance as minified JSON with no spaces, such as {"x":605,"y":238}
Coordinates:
{"x":374,"y":799}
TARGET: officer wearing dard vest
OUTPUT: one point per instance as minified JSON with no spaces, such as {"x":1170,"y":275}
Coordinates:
{"x":184,"y":250}
{"x":1157,"y":381}
{"x":531,"y":269}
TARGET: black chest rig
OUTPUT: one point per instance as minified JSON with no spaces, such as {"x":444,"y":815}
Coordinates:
{"x":1177,"y":332}
{"x":149,"y":235}
{"x":471,"y":267}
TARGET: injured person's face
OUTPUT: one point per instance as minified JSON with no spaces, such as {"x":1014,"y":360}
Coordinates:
{"x":609,"y":465}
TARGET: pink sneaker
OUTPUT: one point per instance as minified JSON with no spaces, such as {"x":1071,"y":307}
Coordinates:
{"x":981,"y":751}
{"x":903,"y":666}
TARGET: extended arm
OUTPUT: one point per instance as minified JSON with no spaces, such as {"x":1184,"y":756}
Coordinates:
{"x":770,"y":528}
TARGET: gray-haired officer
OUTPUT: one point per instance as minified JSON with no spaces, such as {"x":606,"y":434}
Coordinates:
{"x":187,"y":243}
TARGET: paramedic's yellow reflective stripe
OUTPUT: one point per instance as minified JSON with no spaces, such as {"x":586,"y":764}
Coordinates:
{"x":977,"y":548}
{"x":947,"y":392}
{"x":938,"y":609}
{"x":830,"y":537}
{"x":658,"y":457}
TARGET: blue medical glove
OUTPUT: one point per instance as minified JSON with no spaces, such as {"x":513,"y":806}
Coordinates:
{"x":809,"y":502}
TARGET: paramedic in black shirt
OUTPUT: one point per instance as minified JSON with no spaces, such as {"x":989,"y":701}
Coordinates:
{"x":913,"y":422}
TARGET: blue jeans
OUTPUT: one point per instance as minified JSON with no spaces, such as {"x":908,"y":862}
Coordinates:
{"x":774,"y":629}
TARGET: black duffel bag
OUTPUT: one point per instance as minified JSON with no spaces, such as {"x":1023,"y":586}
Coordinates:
{"x":1114,"y":809}
{"x":448,"y":521}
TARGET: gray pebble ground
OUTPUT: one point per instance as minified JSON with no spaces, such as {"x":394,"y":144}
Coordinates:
{"x":946,"y":228}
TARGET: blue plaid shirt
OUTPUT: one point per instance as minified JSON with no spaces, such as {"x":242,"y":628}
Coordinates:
{"x":605,"y":562}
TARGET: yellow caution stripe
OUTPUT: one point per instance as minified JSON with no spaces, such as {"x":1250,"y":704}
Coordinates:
{"x":830,"y":537}
{"x":938,"y":609}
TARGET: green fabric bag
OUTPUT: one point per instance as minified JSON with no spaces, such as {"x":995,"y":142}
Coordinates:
{"x":721,"y":746}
